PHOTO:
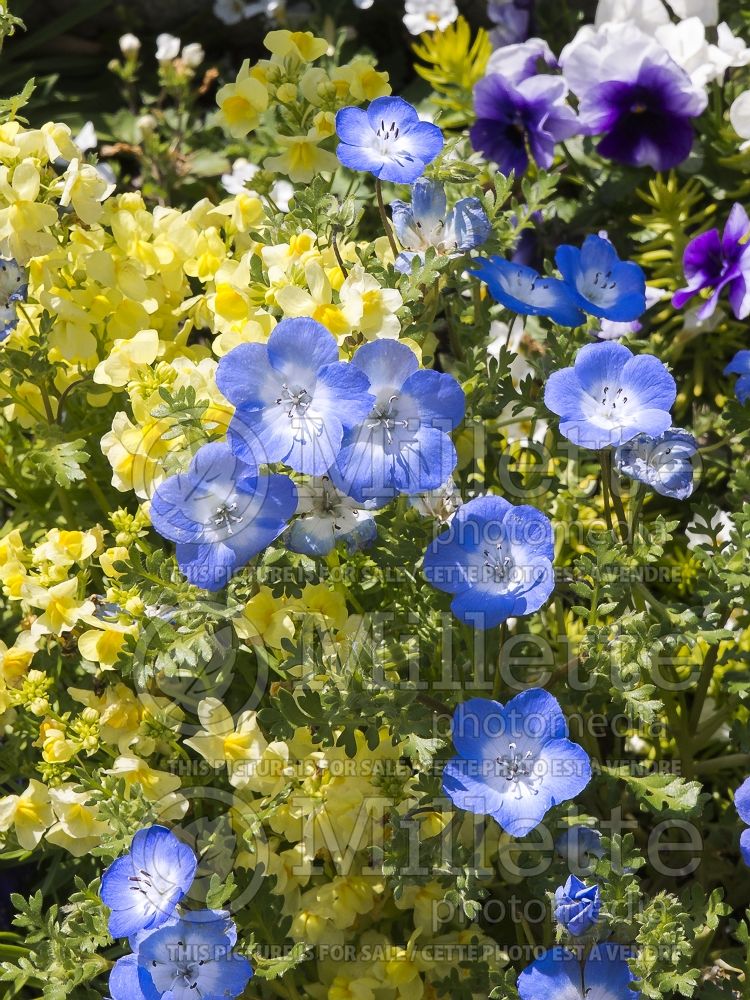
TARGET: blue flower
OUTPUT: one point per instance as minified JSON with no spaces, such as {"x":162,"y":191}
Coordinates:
{"x":601,"y":284}
{"x":525,"y":291}
{"x":294,"y":398}
{"x":187,"y":958}
{"x":714,"y":263}
{"x":558,"y":973}
{"x":402,"y":445}
{"x":388,"y":139}
{"x":143,"y":888}
{"x":610,"y":395}
{"x":742,"y":805}
{"x":428,"y":223}
{"x":496,"y":559}
{"x":578,"y":845}
{"x":515,"y":762}
{"x":577,"y":906}
{"x":740,"y":365}
{"x":327,"y":516}
{"x":13,"y":288}
{"x":221,"y":513}
{"x":665,"y":463}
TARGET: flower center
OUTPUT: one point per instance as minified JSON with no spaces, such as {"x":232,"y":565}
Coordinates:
{"x":297,"y":399}
{"x":499,"y":564}
{"x":226,"y":517}
{"x":142,"y":883}
{"x":385,"y":416}
{"x":610,"y":402}
{"x":516,"y":767}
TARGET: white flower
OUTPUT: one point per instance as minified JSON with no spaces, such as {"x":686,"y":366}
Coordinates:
{"x":230,"y":11}
{"x":686,"y":43}
{"x":364,"y":4}
{"x":130,"y":45}
{"x":86,"y":138}
{"x":193,"y":55}
{"x":739,"y":116}
{"x":730,"y":51}
{"x":644,"y":14}
{"x":429,"y":15}
{"x":167,"y":47}
{"x":146,"y":124}
{"x":243,"y":171}
{"x":441,"y":503}
{"x":706,"y":10}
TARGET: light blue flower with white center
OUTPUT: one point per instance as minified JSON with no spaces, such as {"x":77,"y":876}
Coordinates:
{"x":190,"y":958}
{"x":325,"y":517}
{"x":388,"y":140}
{"x":143,"y":888}
{"x":402,"y":445}
{"x":294,"y":399}
{"x":525,"y":291}
{"x":742,"y":805}
{"x":577,"y":906}
{"x":740,"y":365}
{"x":496,"y":559}
{"x":515,"y":762}
{"x":428,"y":223}
{"x":610,"y":395}
{"x":580,"y":846}
{"x":665,"y":463}
{"x":221,"y":513}
{"x":13,"y":288}
{"x":559,"y":975}
{"x":601,"y":284}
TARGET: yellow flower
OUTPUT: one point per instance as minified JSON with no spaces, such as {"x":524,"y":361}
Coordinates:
{"x":302,"y":45}
{"x":266,"y":618}
{"x":104,"y":643}
{"x":242,"y":103}
{"x":157,"y":786}
{"x":61,"y":605}
{"x":126,"y":357}
{"x":16,"y":659}
{"x":365,"y":83}
{"x":29,"y":813}
{"x":320,"y":599}
{"x":317,"y":302}
{"x":23,"y":219}
{"x":63,"y":548}
{"x":119,"y":712}
{"x":78,"y":828}
{"x":85,"y":189}
{"x":56,"y":747}
{"x":137,"y":454}
{"x":374,"y":307}
{"x":302,"y":158}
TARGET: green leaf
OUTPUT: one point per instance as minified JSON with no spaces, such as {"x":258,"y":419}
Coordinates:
{"x":659,"y":792}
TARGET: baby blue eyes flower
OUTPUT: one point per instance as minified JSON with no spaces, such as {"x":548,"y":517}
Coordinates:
{"x":523,"y":290}
{"x":742,"y":805}
{"x":610,"y":395}
{"x":665,"y":463}
{"x":388,"y":139}
{"x":221,"y":513}
{"x":294,"y":399}
{"x":190,"y":957}
{"x":428,"y":223}
{"x":326,"y":516}
{"x":713,"y":263}
{"x":577,"y":906}
{"x":740,"y":365}
{"x":559,"y":975}
{"x":402,"y":444}
{"x":515,"y":762}
{"x":13,"y":288}
{"x":143,"y":888}
{"x":600,"y":283}
{"x":579,"y":846}
{"x":496,"y":559}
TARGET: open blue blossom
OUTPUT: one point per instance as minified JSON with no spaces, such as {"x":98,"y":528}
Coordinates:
{"x":190,"y":957}
{"x":294,"y":398}
{"x":515,"y":119}
{"x":610,"y":395}
{"x":742,"y":805}
{"x":496,"y":559}
{"x":13,"y":288}
{"x":601,"y":284}
{"x":326,"y":516}
{"x":577,"y":906}
{"x":580,"y":846}
{"x":428,"y":223}
{"x":558,"y":974}
{"x":740,"y":365}
{"x":388,"y":139}
{"x":142,"y":888}
{"x":714,"y":263}
{"x":665,"y":463}
{"x":402,"y":444}
{"x":527,"y":292}
{"x":515,"y":762}
{"x":221,"y":513}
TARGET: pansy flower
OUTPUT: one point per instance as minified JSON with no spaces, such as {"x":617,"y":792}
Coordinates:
{"x":527,"y":292}
{"x":714,"y":263}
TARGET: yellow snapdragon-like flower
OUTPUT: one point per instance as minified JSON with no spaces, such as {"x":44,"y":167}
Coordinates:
{"x":242,"y":103}
{"x":137,"y":454}
{"x":23,"y":220}
{"x":57,"y":748}
{"x":104,"y":643}
{"x":157,"y":786}
{"x":119,"y":712}
{"x":126,"y":357}
{"x":61,"y":548}
{"x":374,"y":307}
{"x":266,"y":618}
{"x":301,"y":45}
{"x":16,"y":659}
{"x":84,"y":188}
{"x":30,"y":814}
{"x":302,"y":159}
{"x":78,"y":828}
{"x":61,"y":606}
{"x":317,"y":302}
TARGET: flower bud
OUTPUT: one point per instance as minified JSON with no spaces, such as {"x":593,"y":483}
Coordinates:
{"x":577,"y":906}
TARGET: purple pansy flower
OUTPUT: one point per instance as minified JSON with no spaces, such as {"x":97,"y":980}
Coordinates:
{"x":511,"y":120}
{"x":516,"y":63}
{"x":740,"y":365}
{"x":713,"y":263}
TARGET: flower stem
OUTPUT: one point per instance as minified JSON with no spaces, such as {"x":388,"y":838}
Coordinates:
{"x":384,"y":217}
{"x":498,"y":680}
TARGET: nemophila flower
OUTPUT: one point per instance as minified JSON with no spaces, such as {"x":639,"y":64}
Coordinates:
{"x":519,"y":62}
{"x":441,"y":503}
{"x":742,"y":805}
{"x":559,"y":974}
{"x":143,"y":888}
{"x":610,"y":395}
{"x":429,"y":15}
{"x":496,"y":559}
{"x":600,"y":283}
{"x":577,"y":906}
{"x":13,"y":288}
{"x":388,"y":139}
{"x":294,"y":399}
{"x":665,"y":463}
{"x":220,"y":513}
{"x":740,"y":365}
{"x":326,"y":516}
{"x":188,"y":958}
{"x":515,"y":120}
{"x":580,"y":846}
{"x":402,"y":444}
{"x":525,"y":291}
{"x":713,"y":263}
{"x":515,"y":762}
{"x":428,"y":223}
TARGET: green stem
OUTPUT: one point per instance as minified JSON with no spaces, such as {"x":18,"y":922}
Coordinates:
{"x":384,"y":217}
{"x":604,"y":460}
{"x":498,"y":679}
{"x":636,"y":506}
{"x":704,"y":682}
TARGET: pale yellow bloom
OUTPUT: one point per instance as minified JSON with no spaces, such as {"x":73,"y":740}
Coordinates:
{"x":78,"y":828}
{"x":85,"y":189}
{"x":302,"y":45}
{"x":302,"y":159}
{"x":242,"y":103}
{"x":23,"y":219}
{"x":266,"y":618}
{"x":61,"y":606}
{"x":126,"y":357}
{"x":30,"y":814}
